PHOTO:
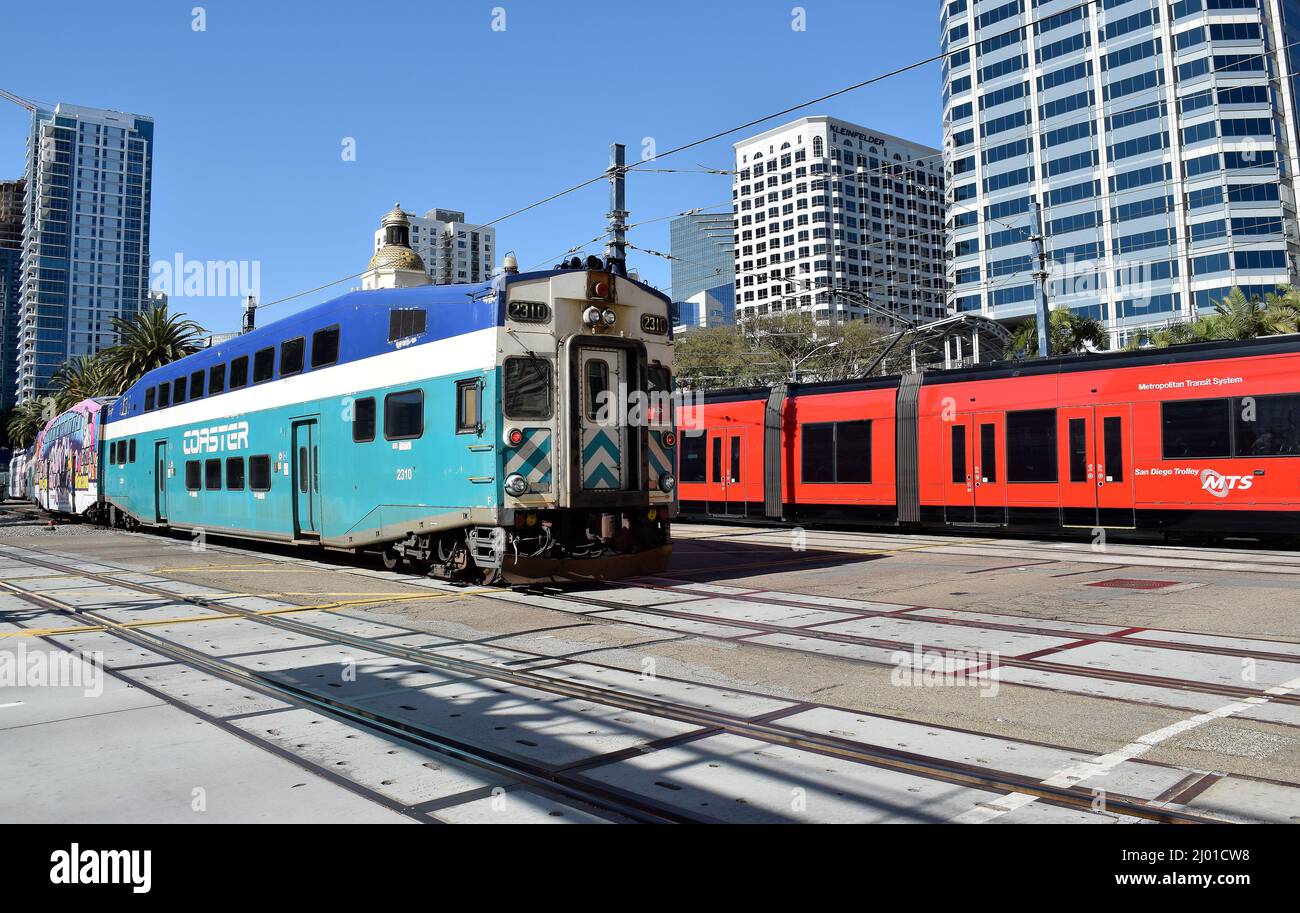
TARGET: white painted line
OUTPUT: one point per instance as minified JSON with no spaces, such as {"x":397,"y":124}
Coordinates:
{"x":1099,"y":766}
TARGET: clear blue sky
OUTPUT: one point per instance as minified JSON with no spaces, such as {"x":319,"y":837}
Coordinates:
{"x":251,"y":113}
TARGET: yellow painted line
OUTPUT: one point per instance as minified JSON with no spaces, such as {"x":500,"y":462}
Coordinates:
{"x":287,"y":610}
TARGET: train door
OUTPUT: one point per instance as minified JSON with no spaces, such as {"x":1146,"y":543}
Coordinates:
{"x":734,"y":499}
{"x":959,"y":484}
{"x":1113,"y":446}
{"x":1076,"y":448}
{"x":603,"y":424}
{"x":306,"y":478}
{"x":160,"y":481}
{"x":987,"y":434}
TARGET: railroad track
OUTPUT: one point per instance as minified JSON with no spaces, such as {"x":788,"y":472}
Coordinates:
{"x":570,"y":786}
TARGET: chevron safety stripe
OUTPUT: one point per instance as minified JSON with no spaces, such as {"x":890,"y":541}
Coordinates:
{"x":662,"y":458}
{"x":532,"y":459}
{"x":601,"y":460}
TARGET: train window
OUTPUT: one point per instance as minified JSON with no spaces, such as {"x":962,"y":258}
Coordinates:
{"x":164,"y":395}
{"x":960,"y":475}
{"x":234,"y":473}
{"x":130,"y":458}
{"x":989,"y":452}
{"x":528,"y":388}
{"x":1196,"y":428}
{"x":1112,"y":434}
{"x":1267,"y":425}
{"x":216,"y":379}
{"x":263,"y":365}
{"x":717,"y":458}
{"x":694,"y":453}
{"x":178,"y":394}
{"x":1078,"y":450}
{"x":212,"y":475}
{"x":324,"y":347}
{"x":853,"y":451}
{"x":150,"y":397}
{"x":403,"y":415}
{"x":112,"y":452}
{"x":467,"y":406}
{"x":291,"y":356}
{"x":193,"y":475}
{"x":659,"y":384}
{"x":239,"y":372}
{"x":597,"y":377}
{"x":259,"y":473}
{"x":303,"y":474}
{"x":734,"y":475}
{"x":404,"y":322}
{"x":1031,"y":446}
{"x":196,"y":384}
{"x":363,"y":420}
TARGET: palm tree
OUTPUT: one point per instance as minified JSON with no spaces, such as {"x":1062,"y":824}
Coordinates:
{"x":147,"y":340}
{"x":28,"y":418}
{"x":81,"y":378}
{"x":1069,"y":333}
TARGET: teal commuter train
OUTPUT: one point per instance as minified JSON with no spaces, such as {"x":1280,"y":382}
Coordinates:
{"x":517,"y":429}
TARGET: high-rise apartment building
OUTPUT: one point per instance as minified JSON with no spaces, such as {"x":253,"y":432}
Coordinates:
{"x":1158,"y":139}
{"x":452,"y":249}
{"x":840,"y":221}
{"x":85,"y":255}
{"x":11,"y":258}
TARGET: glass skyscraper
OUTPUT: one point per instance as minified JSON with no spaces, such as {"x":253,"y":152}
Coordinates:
{"x":1158,"y":137}
{"x":85,"y":256}
{"x":704,"y":269}
{"x":11,"y":258}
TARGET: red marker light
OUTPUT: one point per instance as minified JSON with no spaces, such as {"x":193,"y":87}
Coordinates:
{"x":670,"y":439}
{"x":600,"y":290}
{"x":516,"y":437}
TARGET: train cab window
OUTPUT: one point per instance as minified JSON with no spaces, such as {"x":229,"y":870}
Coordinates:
{"x":989,"y":452}
{"x":694,"y":456}
{"x":196,"y":384}
{"x":659,"y":384}
{"x":130,"y":451}
{"x":1078,"y":431}
{"x":212,"y":475}
{"x":717,"y":459}
{"x":164,"y":395}
{"x":404,"y":415}
{"x":291,"y":356}
{"x":1196,"y":428}
{"x":263,"y":365}
{"x":150,"y":397}
{"x":528,"y":388}
{"x":468,"y":413}
{"x":193,"y":475}
{"x":1112,"y":435}
{"x":404,"y":322}
{"x":216,"y":379}
{"x":324,"y":347}
{"x":960,"y":474}
{"x":1267,"y":425}
{"x":363,"y":420}
{"x":1031,"y":446}
{"x":239,"y":372}
{"x":597,"y":382}
{"x":178,"y":393}
{"x":234,"y":473}
{"x":259,"y":473}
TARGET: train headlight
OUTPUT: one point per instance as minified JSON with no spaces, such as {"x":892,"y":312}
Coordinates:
{"x":667,"y":481}
{"x":608,"y":317}
{"x":591,"y":316}
{"x":516,"y":485}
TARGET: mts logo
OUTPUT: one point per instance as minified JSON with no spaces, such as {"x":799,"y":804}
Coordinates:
{"x":1219,"y":485}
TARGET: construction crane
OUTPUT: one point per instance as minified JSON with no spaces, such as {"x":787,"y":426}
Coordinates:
{"x":18,"y":100}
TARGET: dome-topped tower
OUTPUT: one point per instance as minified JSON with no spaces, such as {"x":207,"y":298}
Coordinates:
{"x":394,"y":264}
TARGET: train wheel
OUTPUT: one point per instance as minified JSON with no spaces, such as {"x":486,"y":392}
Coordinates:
{"x":391,"y":559}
